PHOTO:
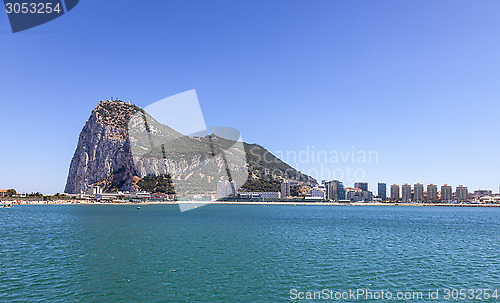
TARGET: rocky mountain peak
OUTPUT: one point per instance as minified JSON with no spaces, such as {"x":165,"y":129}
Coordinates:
{"x":106,"y":155}
{"x":115,"y":113}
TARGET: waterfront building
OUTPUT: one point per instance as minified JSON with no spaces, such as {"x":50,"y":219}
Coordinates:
{"x":482,"y":192}
{"x":317,"y":193}
{"x":285,"y":189}
{"x":394,"y":192}
{"x":259,"y":195}
{"x":418,"y":192}
{"x":490,"y":199}
{"x":120,"y":195}
{"x":382,"y":191}
{"x":221,"y":189}
{"x":270,"y":195}
{"x":353,"y":194}
{"x":335,"y":190}
{"x":330,"y":190}
{"x":341,"y":191}
{"x":406,"y":192}
{"x":225,"y":189}
{"x":446,"y":193}
{"x":367,"y":196}
{"x":313,"y":199}
{"x":361,"y":185}
{"x":94,"y":190}
{"x":462,"y":193}
{"x":230,"y":189}
{"x":432,"y":194}
{"x":358,"y":195}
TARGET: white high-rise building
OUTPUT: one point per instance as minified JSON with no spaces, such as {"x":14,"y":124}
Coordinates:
{"x":462,"y":193}
{"x":334,"y":190}
{"x":225,"y":189}
{"x":446,"y":193}
{"x":221,"y":189}
{"x":406,"y":192}
{"x":432,"y":194}
{"x":418,"y":192}
{"x":395,"y":192}
{"x":285,"y":189}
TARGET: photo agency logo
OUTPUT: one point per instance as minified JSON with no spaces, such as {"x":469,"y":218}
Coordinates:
{"x":26,"y":14}
{"x":348,"y":165}
{"x":172,"y":145}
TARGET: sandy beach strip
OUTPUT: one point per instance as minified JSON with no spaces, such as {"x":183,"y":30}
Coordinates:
{"x":294,"y":203}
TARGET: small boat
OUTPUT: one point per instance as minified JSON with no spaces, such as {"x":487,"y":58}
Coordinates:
{"x":138,"y":207}
{"x":7,"y":205}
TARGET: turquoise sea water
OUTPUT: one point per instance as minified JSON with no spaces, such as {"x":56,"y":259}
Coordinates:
{"x":232,"y":253}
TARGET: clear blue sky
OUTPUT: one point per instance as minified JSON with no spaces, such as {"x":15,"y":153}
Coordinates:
{"x":415,"y":81}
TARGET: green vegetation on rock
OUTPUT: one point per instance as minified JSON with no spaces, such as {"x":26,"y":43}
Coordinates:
{"x":156,"y":184}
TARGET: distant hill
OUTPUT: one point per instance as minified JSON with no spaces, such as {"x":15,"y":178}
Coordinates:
{"x":122,"y":148}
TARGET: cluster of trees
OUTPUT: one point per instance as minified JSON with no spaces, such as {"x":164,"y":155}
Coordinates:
{"x":266,"y":184}
{"x":11,"y":192}
{"x":157,"y":184}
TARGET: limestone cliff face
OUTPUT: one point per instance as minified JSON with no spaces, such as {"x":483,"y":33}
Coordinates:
{"x":121,"y":144}
{"x":103,"y":151}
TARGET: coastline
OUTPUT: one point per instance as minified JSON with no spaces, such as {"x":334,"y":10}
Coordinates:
{"x":85,"y":202}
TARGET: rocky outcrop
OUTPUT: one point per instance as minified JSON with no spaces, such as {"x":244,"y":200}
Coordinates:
{"x":103,"y":150}
{"x":120,"y":145}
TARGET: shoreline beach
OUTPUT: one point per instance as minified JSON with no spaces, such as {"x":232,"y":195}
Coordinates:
{"x":85,"y":202}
